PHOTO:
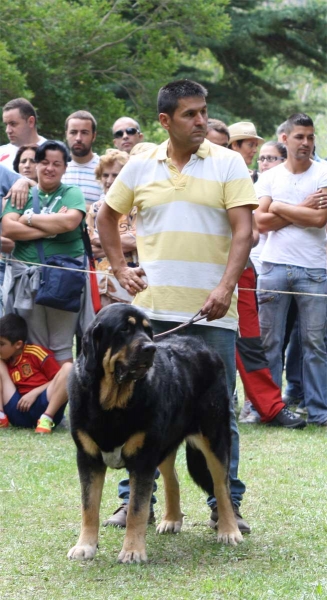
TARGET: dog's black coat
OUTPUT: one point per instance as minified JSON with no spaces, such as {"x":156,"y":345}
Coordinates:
{"x":124,"y":385}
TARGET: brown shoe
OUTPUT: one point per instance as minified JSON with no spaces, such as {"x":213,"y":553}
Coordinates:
{"x":119,"y":517}
{"x":243,"y":526}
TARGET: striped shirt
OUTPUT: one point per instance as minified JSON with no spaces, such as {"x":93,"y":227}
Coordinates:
{"x":83,"y":176}
{"x":183,"y":232}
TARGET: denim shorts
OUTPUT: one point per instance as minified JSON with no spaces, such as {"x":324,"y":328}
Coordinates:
{"x":29,"y":419}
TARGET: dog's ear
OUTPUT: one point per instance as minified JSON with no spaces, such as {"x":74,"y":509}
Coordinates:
{"x":90,"y":347}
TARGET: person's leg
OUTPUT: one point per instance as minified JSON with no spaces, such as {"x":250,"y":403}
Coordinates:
{"x":273,"y":309}
{"x":57,"y":396}
{"x":294,"y":365}
{"x":7,"y":390}
{"x":312,"y":323}
{"x":61,"y":327}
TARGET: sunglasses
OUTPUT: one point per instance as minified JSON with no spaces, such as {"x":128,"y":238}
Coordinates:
{"x":270,"y":159}
{"x":129,"y":131}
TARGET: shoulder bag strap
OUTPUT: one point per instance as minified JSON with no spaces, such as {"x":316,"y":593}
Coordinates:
{"x":36,"y":210}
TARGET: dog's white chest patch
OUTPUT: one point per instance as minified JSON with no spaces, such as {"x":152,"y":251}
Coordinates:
{"x":114,"y":459}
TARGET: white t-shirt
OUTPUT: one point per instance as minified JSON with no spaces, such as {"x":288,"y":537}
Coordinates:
{"x":83,"y":176}
{"x":294,"y":244}
{"x":9,"y":151}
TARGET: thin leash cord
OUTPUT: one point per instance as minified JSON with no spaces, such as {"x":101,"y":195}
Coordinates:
{"x":197,"y":317}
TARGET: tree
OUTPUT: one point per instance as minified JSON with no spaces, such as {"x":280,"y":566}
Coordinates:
{"x":108,"y":57}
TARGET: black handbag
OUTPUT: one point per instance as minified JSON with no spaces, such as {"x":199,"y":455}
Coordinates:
{"x":62,"y":278}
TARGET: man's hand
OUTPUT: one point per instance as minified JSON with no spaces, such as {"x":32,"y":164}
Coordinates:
{"x":217,"y":303}
{"x":27,"y":400}
{"x":318,"y":200}
{"x":19,"y":193}
{"x":131,"y":279}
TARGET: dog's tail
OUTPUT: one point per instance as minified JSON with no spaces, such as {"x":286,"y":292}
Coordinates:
{"x":197,"y":467}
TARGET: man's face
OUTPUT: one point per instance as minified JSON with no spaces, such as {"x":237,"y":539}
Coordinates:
{"x":188,"y":125}
{"x":126,"y":134}
{"x":300,"y":142}
{"x":217,"y":137}
{"x":80,"y":137}
{"x":18,"y":129}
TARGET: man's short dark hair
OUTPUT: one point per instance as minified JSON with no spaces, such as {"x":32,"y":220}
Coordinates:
{"x":52,"y":145}
{"x":25,"y":108}
{"x":170,"y":94}
{"x":13,"y":328}
{"x":298,"y":119}
{"x":219,"y":126}
{"x":82,"y":114}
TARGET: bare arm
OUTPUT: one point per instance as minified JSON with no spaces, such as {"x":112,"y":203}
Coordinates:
{"x":265,"y":220}
{"x":54,"y":223}
{"x":107,"y":223}
{"x":310,"y":213}
{"x":13,"y":229}
{"x":18,"y":192}
{"x":218,"y":302}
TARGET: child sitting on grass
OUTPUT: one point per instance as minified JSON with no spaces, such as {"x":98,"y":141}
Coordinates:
{"x":32,"y":385}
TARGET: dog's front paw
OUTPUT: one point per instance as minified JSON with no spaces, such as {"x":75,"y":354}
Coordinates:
{"x":82,"y":552}
{"x":232,"y":537}
{"x":129,"y":557}
{"x":167,"y":526}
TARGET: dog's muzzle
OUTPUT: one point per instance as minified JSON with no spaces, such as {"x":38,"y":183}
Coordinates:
{"x":137,"y":366}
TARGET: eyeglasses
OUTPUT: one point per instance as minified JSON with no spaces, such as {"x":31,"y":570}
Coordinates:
{"x":129,"y":131}
{"x":270,"y":158}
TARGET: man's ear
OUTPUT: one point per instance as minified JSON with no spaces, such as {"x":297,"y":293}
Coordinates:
{"x":19,"y":345}
{"x":164,"y":120}
{"x":284,"y":138}
{"x":94,"y":136}
{"x":31,"y":122}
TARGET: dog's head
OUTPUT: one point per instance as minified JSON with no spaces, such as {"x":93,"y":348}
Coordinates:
{"x":119,"y":340}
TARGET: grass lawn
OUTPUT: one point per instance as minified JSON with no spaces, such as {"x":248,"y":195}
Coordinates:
{"x":284,"y":557}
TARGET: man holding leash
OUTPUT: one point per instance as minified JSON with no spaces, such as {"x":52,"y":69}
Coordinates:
{"x":194,"y":235}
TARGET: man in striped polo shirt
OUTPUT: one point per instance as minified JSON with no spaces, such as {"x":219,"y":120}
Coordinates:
{"x":80,"y":130}
{"x":194,"y":236}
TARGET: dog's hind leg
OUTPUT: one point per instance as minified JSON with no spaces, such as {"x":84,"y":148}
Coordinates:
{"x":228,"y":531}
{"x":133,"y":550}
{"x":173,"y":518}
{"x":92,"y":475}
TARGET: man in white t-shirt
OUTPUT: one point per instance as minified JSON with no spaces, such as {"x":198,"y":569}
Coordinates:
{"x":19,"y":117}
{"x":293,"y":209}
{"x":80,"y":130}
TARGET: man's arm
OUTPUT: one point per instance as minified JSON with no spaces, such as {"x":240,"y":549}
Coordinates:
{"x":218,"y":302}
{"x":266,"y":220}
{"x":304,"y":214}
{"x":107,"y":223}
{"x":18,"y":193}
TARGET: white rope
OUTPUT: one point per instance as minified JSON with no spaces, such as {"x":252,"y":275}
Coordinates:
{"x":105,"y":272}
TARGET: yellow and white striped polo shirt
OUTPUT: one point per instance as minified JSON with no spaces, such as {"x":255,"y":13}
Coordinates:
{"x":183,"y":232}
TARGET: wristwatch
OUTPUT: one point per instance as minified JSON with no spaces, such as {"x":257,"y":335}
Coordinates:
{"x":29,"y":219}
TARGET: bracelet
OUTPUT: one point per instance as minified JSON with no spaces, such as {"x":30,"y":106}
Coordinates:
{"x":29,"y":220}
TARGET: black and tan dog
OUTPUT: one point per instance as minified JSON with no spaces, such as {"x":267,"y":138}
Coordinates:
{"x":132,"y":403}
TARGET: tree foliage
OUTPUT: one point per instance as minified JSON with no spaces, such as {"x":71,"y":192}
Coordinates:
{"x":111,"y":56}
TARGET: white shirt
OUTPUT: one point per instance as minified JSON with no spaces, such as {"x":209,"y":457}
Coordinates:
{"x":294,"y":244}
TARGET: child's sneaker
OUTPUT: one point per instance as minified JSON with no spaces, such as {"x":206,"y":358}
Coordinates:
{"x":4,"y":422}
{"x":44,"y":425}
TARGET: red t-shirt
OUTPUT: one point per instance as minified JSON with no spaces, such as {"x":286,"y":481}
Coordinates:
{"x":34,"y":367}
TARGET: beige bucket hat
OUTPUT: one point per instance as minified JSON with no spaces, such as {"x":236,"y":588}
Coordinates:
{"x":243,"y":130}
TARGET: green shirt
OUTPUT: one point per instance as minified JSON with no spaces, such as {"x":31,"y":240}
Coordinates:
{"x":70,"y":242}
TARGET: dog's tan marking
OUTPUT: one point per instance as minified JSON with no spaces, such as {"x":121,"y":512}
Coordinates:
{"x":173,"y":518}
{"x":133,"y":550}
{"x":89,"y":445}
{"x":132,"y":320}
{"x":113,"y":395}
{"x":228,"y":531}
{"x":146,"y":323}
{"x":133,"y":444}
{"x":86,"y":546}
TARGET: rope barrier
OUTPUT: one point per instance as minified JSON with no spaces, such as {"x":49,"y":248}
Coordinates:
{"x":106,"y":272}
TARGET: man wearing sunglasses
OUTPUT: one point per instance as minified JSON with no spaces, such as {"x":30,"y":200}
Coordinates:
{"x":127,"y":134}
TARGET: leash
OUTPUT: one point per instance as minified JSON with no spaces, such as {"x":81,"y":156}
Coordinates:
{"x":194,"y":319}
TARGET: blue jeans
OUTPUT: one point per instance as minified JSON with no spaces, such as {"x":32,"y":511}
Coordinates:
{"x":294,"y":364}
{"x":223,"y":341}
{"x":312,"y":314}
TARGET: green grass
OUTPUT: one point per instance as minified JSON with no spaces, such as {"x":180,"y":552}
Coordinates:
{"x":285,"y":504}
